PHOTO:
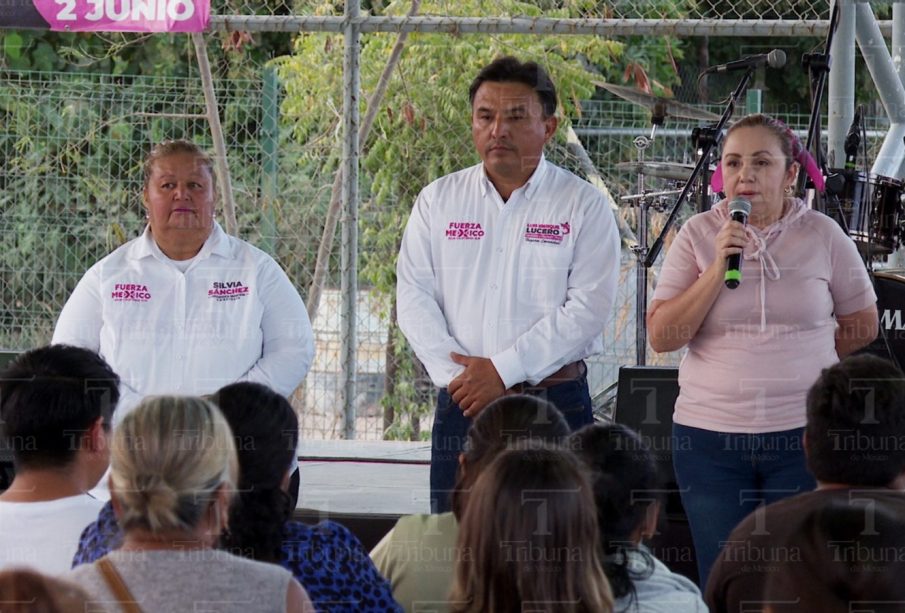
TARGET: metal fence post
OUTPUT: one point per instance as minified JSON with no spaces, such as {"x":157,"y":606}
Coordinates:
{"x":270,"y":138}
{"x":349,"y":260}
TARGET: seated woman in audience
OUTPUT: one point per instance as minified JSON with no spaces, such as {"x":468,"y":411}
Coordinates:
{"x":419,"y":554}
{"x":24,"y":590}
{"x":173,"y":475}
{"x":624,"y":478}
{"x":327,"y":559}
{"x":847,"y":556}
{"x":530,"y":534}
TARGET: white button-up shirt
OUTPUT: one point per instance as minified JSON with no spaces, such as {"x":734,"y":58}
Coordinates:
{"x":528,"y":283}
{"x":233,"y":315}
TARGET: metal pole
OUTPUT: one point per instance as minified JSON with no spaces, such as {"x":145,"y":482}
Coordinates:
{"x":898,"y":48}
{"x":889,"y":87}
{"x":270,"y":137}
{"x":528,"y":25}
{"x":224,"y":182}
{"x":641,"y":284}
{"x":841,"y":102}
{"x":349,"y":220}
{"x":898,"y":37}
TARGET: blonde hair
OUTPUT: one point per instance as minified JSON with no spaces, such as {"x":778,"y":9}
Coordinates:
{"x":169,"y":457}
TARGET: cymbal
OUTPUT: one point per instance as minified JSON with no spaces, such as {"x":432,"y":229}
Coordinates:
{"x":664,"y":170}
{"x":666,"y":107}
{"x":651,"y":195}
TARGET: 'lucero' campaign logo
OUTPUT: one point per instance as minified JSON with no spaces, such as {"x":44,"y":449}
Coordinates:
{"x":552,"y":233}
{"x":464,"y":230}
{"x":227,"y":290}
{"x":130,"y":292}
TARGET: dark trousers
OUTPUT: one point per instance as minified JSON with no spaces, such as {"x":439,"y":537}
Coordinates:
{"x":451,"y":426}
{"x":723,"y":477}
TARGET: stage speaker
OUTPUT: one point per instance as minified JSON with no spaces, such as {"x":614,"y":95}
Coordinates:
{"x":645,"y":399}
{"x":890,"y":342}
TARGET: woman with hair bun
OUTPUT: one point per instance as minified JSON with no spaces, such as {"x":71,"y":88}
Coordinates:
{"x":327,"y":559}
{"x":173,"y":476}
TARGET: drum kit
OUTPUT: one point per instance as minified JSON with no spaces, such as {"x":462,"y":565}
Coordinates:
{"x":869,"y":208}
{"x":646,"y":200}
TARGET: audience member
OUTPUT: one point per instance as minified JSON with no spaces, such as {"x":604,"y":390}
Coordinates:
{"x":327,"y":559}
{"x":854,"y":446}
{"x":56,"y":404}
{"x":624,"y":478}
{"x":173,"y":475}
{"x":845,"y":557}
{"x":529,"y":539}
{"x":26,"y":591}
{"x":419,"y":554}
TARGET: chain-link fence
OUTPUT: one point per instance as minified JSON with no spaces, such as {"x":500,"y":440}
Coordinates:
{"x":72,"y":145}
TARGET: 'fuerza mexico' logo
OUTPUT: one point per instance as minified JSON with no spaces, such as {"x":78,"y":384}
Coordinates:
{"x":464,"y":230}
{"x":552,"y":233}
{"x":130,"y":292}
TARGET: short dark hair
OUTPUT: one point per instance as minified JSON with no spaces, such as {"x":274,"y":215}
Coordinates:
{"x":49,"y":397}
{"x":624,"y":478}
{"x":511,"y":70}
{"x":504,"y":422}
{"x":856,"y":422}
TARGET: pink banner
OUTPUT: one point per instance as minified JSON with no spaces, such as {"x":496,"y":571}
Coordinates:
{"x":125,"y":15}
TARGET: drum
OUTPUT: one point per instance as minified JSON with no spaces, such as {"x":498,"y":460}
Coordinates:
{"x":870,"y":210}
{"x":890,"y":342}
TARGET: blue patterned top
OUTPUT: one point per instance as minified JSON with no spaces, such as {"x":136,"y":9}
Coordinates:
{"x":327,"y":559}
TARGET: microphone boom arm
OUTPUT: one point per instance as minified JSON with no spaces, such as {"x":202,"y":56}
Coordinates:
{"x":703,"y":160}
{"x":819,"y":67}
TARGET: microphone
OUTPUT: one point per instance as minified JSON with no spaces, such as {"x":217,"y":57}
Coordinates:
{"x":739,"y":209}
{"x":853,"y":141}
{"x":774,"y":59}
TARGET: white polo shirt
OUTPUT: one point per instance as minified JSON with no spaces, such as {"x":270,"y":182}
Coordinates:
{"x":529,"y":283}
{"x":233,"y":315}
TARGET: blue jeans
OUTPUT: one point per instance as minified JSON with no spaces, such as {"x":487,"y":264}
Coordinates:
{"x":723,"y":477}
{"x":451,"y":426}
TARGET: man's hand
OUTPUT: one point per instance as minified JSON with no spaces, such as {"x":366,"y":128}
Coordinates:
{"x":477,"y":386}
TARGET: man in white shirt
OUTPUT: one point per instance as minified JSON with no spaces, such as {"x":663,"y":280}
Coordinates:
{"x":508,"y":269}
{"x":56,"y":405}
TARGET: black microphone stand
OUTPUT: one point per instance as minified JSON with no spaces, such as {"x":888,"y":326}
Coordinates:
{"x":818,"y":65}
{"x":707,"y":141}
{"x":708,"y":145}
